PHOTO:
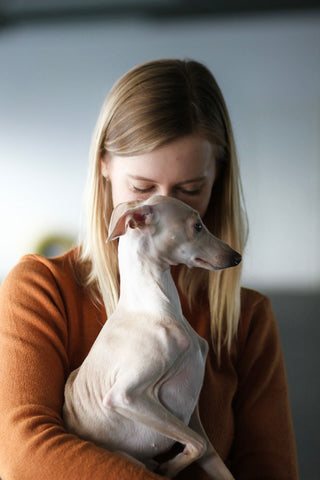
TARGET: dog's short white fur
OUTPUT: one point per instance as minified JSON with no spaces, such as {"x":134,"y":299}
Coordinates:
{"x":137,"y":390}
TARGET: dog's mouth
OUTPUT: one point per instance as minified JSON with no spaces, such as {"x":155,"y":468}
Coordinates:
{"x":204,"y":264}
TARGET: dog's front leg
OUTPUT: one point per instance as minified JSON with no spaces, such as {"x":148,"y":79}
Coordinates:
{"x":211,"y":462}
{"x":140,"y":404}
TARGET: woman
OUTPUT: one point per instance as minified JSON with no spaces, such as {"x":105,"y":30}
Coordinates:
{"x":164,"y":128}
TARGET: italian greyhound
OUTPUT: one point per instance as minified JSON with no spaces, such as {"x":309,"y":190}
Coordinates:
{"x":137,"y":390}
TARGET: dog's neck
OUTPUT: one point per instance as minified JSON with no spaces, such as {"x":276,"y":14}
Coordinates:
{"x":146,"y":284}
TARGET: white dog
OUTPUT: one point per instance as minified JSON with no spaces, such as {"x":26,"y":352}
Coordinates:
{"x":137,"y":391}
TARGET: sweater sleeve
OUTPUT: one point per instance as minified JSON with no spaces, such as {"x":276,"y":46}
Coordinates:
{"x":264,"y":445}
{"x":33,"y":368}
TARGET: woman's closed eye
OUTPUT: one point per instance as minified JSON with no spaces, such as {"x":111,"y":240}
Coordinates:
{"x":134,"y":188}
{"x":191,"y":192}
{"x":176,"y":191}
{"x":191,"y":189}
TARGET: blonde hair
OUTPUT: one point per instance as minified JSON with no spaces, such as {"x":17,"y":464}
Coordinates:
{"x":151,"y":105}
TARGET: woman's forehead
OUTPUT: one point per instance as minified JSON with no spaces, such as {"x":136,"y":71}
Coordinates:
{"x":186,"y":159}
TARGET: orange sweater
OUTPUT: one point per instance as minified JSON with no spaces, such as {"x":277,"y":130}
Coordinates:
{"x":47,"y":326}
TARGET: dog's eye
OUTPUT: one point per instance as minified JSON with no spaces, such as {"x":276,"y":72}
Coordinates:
{"x":198,"y":227}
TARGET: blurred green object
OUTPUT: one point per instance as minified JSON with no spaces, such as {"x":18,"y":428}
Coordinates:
{"x":54,"y":244}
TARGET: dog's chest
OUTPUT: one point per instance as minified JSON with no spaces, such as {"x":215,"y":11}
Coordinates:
{"x":180,"y":391}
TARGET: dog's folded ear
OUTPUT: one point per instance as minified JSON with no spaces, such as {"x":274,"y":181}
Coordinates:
{"x":129,"y":214}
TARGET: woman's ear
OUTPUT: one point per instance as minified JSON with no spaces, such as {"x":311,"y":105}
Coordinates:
{"x":104,"y":166}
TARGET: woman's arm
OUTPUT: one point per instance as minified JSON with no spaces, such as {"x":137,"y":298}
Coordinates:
{"x":264,"y":446}
{"x":34,"y":342}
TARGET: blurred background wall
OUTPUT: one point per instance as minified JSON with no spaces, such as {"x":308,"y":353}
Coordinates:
{"x":57,"y":63}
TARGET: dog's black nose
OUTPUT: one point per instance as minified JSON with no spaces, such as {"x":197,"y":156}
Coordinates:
{"x":237,"y":258}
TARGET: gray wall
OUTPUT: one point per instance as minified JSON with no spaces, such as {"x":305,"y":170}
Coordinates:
{"x":54,"y":78}
{"x":297,"y":315}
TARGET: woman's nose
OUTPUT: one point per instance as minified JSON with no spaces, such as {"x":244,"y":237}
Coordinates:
{"x":166,"y":191}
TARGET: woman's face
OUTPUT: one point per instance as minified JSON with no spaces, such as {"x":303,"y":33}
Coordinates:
{"x":184,"y":169}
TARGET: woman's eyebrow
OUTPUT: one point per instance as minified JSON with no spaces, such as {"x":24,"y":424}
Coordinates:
{"x":137,"y":177}
{"x":192,"y":180}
